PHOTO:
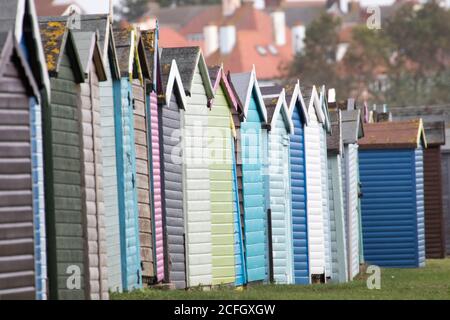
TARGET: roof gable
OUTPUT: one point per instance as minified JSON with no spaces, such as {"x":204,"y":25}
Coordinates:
{"x":276,"y":107}
{"x":20,"y":16}
{"x":101,"y":25}
{"x":315,"y":106}
{"x":245,"y":84}
{"x":218,"y":78}
{"x":171,"y":81}
{"x":89,"y":52}
{"x":352,"y":127}
{"x":396,"y":134}
{"x":130,"y":65}
{"x":57,"y":40}
{"x":294,"y":99}
{"x":188,"y":58}
{"x":324,"y":105}
{"x":9,"y":49}
{"x":150,"y":41}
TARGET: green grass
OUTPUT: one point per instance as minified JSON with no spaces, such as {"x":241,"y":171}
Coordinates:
{"x":431,"y":282}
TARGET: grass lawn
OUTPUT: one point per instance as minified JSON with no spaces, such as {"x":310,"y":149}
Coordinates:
{"x":431,"y":282}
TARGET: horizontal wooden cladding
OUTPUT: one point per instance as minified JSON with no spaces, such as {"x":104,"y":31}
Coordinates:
{"x":17,"y":269}
{"x":143,"y":182}
{"x":388,"y":209}
{"x":434,"y":217}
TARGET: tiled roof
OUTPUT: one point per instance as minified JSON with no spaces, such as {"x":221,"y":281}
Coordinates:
{"x":396,"y":134}
{"x":245,"y":54}
{"x":50,"y":8}
{"x":170,"y":38}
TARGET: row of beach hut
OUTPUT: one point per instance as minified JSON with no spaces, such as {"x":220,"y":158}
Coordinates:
{"x":125,"y":165}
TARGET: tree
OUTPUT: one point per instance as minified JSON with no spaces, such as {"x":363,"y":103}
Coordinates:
{"x":132,"y":10}
{"x":406,"y":62}
{"x":316,"y":64}
{"x":421,"y":70}
{"x":366,"y":61}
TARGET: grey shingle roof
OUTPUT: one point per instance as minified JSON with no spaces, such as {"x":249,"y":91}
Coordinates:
{"x":89,"y":22}
{"x":150,"y":43}
{"x":8,"y":15}
{"x":241,"y":81}
{"x":213,"y":72}
{"x":186,"y":58}
{"x":122,"y":38}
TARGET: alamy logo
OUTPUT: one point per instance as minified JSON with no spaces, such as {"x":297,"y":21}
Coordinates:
{"x":73,"y":282}
{"x":74,"y":21}
{"x":374,"y":280}
{"x":374,"y":20}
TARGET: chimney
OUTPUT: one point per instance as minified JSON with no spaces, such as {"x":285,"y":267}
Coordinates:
{"x":384,"y":117}
{"x":259,"y":4}
{"x":279,"y":27}
{"x":227,"y":38}
{"x":344,"y":6}
{"x":351,"y":104}
{"x":332,"y":99}
{"x":298,"y":38}
{"x":211,"y":36}
{"x":229,"y":7}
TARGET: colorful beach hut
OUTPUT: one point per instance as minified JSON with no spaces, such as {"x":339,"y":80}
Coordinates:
{"x":172,"y":102}
{"x":153,"y":89}
{"x":226,"y":228}
{"x":436,"y":174}
{"x":68,"y":267}
{"x":281,"y":127}
{"x":92,"y":162}
{"x":335,"y":152}
{"x":142,"y":145}
{"x":314,"y":188}
{"x":130,"y":71}
{"x":253,"y":141}
{"x":237,"y":116}
{"x":300,"y":119}
{"x":17,"y":193}
{"x":392,"y":205}
{"x":20,"y":18}
{"x":196,"y":171}
{"x":102,"y":25}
